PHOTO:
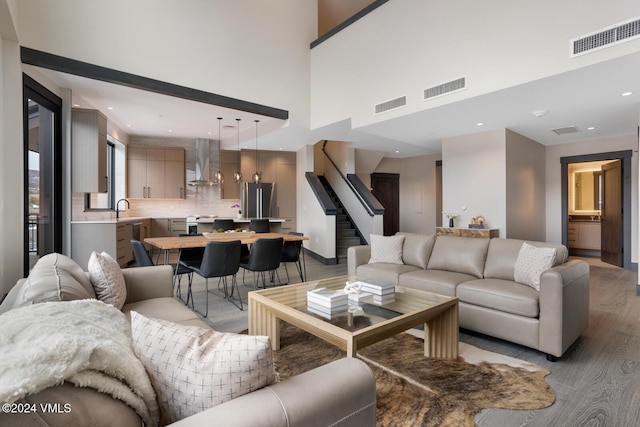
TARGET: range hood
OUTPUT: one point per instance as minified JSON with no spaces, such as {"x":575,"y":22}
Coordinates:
{"x":202,"y":165}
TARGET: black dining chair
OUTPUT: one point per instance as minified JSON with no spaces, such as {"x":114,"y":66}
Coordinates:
{"x":259,"y":225}
{"x":291,"y":253}
{"x":264,"y":257}
{"x":143,"y":259}
{"x":188,"y":257}
{"x":220,"y":259}
{"x":224,"y":224}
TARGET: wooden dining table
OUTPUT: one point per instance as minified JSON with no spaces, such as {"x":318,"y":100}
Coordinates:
{"x":167,"y":244}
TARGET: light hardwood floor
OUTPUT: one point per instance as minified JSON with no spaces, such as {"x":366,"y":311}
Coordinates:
{"x":597,"y":382}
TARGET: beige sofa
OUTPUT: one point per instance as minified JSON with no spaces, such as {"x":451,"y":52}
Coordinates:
{"x":480,"y":272}
{"x":341,"y":393}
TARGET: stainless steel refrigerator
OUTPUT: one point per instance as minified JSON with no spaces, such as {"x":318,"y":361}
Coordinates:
{"x":257,"y":199}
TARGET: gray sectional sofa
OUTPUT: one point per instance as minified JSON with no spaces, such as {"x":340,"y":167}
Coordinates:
{"x":480,"y":272}
{"x":341,"y":393}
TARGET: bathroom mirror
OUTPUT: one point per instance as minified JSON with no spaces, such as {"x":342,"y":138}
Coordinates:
{"x":587,"y":193}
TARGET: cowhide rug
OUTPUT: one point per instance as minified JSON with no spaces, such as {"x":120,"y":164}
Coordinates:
{"x":416,"y":391}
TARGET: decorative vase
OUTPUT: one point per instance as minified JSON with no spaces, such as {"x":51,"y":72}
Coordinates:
{"x":239,"y":214}
{"x":451,"y":222}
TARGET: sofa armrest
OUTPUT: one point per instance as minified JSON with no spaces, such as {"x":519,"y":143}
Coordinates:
{"x":356,"y":256}
{"x":564,"y":306}
{"x":148,"y":282}
{"x":341,"y":393}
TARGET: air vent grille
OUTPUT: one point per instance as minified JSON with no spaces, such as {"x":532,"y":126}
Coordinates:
{"x":607,"y":37}
{"x":393,"y":104}
{"x":566,"y":130}
{"x":444,"y":88}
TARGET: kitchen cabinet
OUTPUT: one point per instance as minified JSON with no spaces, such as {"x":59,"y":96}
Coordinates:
{"x":88,"y":151}
{"x":266,"y":164}
{"x":112,"y":237}
{"x":229,"y":164}
{"x":155,"y":173}
{"x":169,"y":227}
{"x":585,"y":235}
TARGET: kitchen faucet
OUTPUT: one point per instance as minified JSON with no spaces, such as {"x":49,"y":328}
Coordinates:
{"x":126,"y":202}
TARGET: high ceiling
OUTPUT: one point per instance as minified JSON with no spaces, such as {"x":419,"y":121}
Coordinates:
{"x":586,"y":98}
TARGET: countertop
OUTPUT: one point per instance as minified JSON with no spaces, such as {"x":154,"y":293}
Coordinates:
{"x":239,"y":220}
{"x":122,"y":220}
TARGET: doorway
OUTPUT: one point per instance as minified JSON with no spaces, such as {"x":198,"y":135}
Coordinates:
{"x":42,"y":172}
{"x":596,"y":206}
{"x":386,"y":188}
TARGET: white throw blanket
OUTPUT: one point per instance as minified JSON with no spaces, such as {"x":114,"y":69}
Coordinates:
{"x":86,"y":342}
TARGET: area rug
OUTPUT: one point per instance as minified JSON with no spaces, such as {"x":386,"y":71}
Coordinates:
{"x":416,"y":391}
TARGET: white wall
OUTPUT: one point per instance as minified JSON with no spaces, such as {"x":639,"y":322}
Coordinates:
{"x":553,"y":184}
{"x":397,"y":50}
{"x":474,"y":177}
{"x":311,"y":219}
{"x":525,"y":188}
{"x":252,"y":50}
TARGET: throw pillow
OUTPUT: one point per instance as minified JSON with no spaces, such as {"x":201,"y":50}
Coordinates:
{"x":194,"y":368}
{"x":107,"y":279}
{"x":386,"y":249}
{"x":531,"y":263}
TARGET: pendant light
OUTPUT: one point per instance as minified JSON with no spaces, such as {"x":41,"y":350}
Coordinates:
{"x":237,"y":176}
{"x":257,"y":177}
{"x":219,"y":177}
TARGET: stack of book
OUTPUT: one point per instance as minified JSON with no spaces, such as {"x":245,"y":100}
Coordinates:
{"x":327,"y":303}
{"x":382,"y":292}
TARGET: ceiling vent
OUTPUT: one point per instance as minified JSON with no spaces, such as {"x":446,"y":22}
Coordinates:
{"x":393,"y":104}
{"x":445,"y":88}
{"x":566,"y":130}
{"x":607,"y":37}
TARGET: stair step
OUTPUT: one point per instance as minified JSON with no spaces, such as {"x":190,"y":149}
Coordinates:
{"x":346,"y":232}
{"x":343,"y":225}
{"x":347,"y":241}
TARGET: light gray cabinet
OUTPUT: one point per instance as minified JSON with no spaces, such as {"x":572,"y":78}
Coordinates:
{"x":155,"y":173}
{"x":111,"y":237}
{"x":88,"y":151}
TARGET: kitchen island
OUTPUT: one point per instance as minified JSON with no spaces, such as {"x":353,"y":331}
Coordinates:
{"x":277,"y":225}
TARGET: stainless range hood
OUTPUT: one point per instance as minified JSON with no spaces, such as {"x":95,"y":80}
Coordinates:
{"x":202,"y":165}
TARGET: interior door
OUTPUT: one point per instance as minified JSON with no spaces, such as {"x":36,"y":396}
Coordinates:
{"x":386,"y":188}
{"x":612,"y":213}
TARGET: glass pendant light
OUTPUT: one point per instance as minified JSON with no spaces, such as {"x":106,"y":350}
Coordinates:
{"x":237,"y":175}
{"x":257,"y":177}
{"x":219,"y":176}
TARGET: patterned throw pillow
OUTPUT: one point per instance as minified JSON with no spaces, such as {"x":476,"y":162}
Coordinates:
{"x":194,"y":368}
{"x":386,"y":249}
{"x":107,"y":279}
{"x":531,"y":263}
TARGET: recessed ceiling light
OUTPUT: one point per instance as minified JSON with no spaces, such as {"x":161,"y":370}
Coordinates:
{"x":208,"y":133}
{"x":128,"y":125}
{"x":76,"y":105}
{"x":479,"y":124}
{"x":109,"y":108}
{"x":626,"y":93}
{"x":591,"y":128}
{"x":539,"y":113}
{"x":397,"y":151}
{"x":170,"y":130}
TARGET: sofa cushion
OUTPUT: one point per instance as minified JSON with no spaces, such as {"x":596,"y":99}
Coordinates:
{"x":459,"y":254}
{"x":55,"y":277}
{"x":501,"y":295}
{"x":436,"y":281}
{"x":193,"y":368}
{"x":107,"y":279}
{"x":384,"y":271}
{"x":531,"y":263}
{"x":417,"y":248}
{"x":502,"y":255}
{"x":386,"y":249}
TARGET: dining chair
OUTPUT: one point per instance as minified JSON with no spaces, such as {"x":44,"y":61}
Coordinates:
{"x":264,"y":257}
{"x":220,"y":259}
{"x":259,"y":225}
{"x":224,"y":224}
{"x":143,"y":259}
{"x":188,"y":257}
{"x":291,"y":253}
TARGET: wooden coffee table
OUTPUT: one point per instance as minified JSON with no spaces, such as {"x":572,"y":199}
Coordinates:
{"x":412,"y":307}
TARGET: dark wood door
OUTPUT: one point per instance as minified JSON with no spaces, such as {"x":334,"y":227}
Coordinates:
{"x":612,"y":213}
{"x":386,"y":188}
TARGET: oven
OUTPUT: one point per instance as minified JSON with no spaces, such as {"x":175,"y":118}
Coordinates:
{"x":192,"y":225}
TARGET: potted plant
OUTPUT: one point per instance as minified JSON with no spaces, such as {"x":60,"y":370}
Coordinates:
{"x":237,"y":206}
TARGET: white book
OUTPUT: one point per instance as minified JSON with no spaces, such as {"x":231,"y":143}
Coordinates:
{"x":325,"y":315}
{"x":333,"y":309}
{"x":377,"y":283}
{"x":383,"y":299}
{"x":378,"y":291}
{"x":327,"y":294}
{"x":328,"y":303}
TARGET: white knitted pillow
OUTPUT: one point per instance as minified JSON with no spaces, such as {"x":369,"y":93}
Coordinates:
{"x":194,"y":368}
{"x":531,"y":263}
{"x":386,"y":249}
{"x":107,"y":279}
